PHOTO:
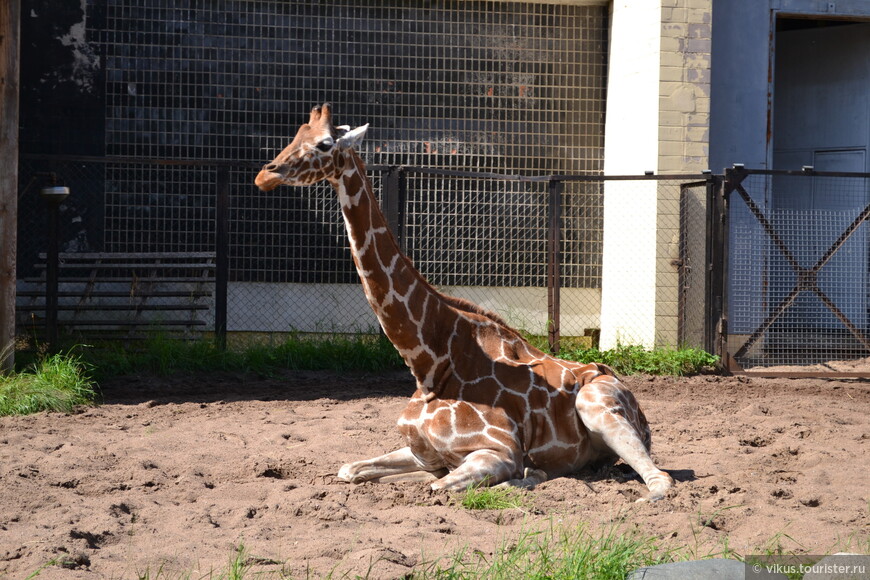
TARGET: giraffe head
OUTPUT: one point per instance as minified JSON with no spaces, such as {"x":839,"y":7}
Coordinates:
{"x":313,"y":155}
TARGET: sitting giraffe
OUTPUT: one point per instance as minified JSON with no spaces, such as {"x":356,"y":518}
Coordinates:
{"x":489,"y":408}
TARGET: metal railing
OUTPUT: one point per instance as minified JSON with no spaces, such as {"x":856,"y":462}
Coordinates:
{"x":769,"y":269}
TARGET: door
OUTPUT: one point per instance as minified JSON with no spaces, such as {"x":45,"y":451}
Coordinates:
{"x":821,"y":118}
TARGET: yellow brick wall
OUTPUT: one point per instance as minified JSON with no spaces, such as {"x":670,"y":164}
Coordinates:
{"x":684,"y":122}
{"x":684,"y":90}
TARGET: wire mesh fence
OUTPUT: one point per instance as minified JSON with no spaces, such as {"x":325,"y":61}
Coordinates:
{"x":491,"y":239}
{"x":696,"y":316}
{"x":794,"y":295}
{"x":798,"y":272}
{"x":795,"y":292}
{"x":481,"y":85}
{"x":491,"y":86}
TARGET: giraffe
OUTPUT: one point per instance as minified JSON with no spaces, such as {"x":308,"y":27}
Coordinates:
{"x":488,"y":408}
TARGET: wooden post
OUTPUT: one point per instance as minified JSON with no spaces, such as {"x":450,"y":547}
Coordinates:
{"x":10,"y":11}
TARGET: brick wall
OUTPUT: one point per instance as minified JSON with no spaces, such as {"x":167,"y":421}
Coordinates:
{"x":684,"y":122}
{"x":684,"y":93}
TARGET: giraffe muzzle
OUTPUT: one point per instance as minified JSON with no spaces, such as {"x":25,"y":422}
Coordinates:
{"x":271,"y":176}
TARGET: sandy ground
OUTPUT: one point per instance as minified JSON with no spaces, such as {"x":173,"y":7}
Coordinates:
{"x":175,"y":473}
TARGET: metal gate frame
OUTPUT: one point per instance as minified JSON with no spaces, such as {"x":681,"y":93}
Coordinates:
{"x":706,"y":258}
{"x":806,"y":277}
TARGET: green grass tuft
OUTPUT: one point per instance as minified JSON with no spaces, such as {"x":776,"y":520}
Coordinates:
{"x":555,"y":553}
{"x":58,"y":382}
{"x":635,"y":359}
{"x":482,"y":497}
{"x":330,"y":352}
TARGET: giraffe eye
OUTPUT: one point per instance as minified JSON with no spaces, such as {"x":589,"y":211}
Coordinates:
{"x":325,"y":145}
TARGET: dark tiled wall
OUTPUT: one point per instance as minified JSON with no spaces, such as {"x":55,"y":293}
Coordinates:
{"x":493,"y":86}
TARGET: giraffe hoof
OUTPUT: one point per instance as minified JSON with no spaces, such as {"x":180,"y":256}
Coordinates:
{"x":531,"y":478}
{"x":346,"y":474}
{"x":658,"y":485}
{"x":654,"y":495}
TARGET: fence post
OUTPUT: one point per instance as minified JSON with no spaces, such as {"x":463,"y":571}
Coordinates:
{"x":53,"y":196}
{"x":554,"y":263}
{"x":714,"y":277}
{"x":392,"y":199}
{"x":718,"y":300}
{"x":222,"y":261}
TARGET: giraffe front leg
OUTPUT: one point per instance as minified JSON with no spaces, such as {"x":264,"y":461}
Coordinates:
{"x":616,"y":424}
{"x":398,"y":463}
{"x":483,"y":466}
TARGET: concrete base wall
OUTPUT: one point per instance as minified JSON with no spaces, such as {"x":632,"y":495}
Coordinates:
{"x":267,"y":307}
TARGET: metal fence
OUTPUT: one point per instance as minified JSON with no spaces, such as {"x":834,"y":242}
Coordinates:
{"x":797,"y":285}
{"x":697,"y":264}
{"x":529,"y":248}
{"x":769,"y":269}
{"x":514,"y":87}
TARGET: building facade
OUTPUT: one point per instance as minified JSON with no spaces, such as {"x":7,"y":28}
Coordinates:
{"x":621,"y":87}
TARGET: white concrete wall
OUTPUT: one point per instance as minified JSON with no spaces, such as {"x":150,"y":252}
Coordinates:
{"x":631,"y":139}
{"x":526,"y":308}
{"x":269,"y":307}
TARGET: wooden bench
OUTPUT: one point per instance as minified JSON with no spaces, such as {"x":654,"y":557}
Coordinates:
{"x":123,"y":295}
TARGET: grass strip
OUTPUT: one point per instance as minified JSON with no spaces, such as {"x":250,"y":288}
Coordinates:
{"x":57,"y":382}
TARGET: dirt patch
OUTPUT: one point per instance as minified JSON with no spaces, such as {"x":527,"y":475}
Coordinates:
{"x":177,"y":472}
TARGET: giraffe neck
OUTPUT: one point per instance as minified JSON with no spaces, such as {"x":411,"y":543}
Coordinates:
{"x":413,"y":314}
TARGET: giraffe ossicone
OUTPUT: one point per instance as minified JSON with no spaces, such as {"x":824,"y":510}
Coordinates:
{"x":488,"y":407}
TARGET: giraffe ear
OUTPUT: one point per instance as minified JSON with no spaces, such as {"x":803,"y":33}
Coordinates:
{"x":352,"y":138}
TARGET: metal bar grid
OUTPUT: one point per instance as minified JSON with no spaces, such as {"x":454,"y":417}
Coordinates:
{"x":493,"y":86}
{"x":475,"y":84}
{"x":158,"y":207}
{"x":476,"y":232}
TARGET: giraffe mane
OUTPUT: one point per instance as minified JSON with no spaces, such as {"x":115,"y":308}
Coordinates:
{"x":470,"y":307}
{"x":464,"y":305}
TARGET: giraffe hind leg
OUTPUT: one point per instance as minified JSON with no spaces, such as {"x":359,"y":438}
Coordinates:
{"x":616,"y":425}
